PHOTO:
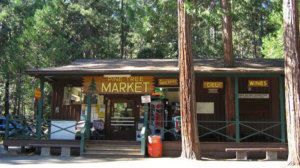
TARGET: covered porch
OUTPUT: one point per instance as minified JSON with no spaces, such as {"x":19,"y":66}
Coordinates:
{"x":215,"y":133}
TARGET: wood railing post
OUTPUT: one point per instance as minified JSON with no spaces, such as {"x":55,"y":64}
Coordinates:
{"x":281,"y":100}
{"x":144,"y":131}
{"x":237,"y":115}
{"x":88,"y":120}
{"x":40,"y":108}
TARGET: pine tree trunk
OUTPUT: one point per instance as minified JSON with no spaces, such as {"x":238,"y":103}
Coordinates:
{"x":6,"y":100}
{"x":122,"y":29}
{"x":228,"y":62}
{"x":189,"y":129}
{"x":227,"y":35}
{"x":292,"y":76}
{"x":229,"y":105}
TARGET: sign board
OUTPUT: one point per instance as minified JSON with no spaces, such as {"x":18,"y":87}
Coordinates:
{"x":253,"y":96}
{"x":205,"y":107}
{"x":37,"y":93}
{"x":146,"y":99}
{"x":212,"y":85}
{"x":258,"y":83}
{"x":62,"y":130}
{"x":119,"y":85}
{"x":168,"y":82}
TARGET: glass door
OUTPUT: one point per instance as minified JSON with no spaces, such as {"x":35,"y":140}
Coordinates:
{"x":122,"y":120}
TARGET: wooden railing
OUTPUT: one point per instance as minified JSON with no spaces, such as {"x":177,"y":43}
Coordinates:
{"x":83,"y":136}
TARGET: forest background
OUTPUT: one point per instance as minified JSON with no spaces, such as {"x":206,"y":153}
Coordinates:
{"x":43,"y":33}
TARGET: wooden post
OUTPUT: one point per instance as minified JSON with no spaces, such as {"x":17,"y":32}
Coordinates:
{"x":189,"y":128}
{"x":40,"y":109}
{"x":88,"y":120}
{"x":145,"y":139}
{"x":281,"y":102}
{"x":237,"y":115}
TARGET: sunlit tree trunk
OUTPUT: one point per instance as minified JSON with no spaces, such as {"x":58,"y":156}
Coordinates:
{"x":189,"y":129}
{"x":292,"y":79}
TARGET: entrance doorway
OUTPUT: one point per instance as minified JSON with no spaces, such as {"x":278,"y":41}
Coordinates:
{"x":123,"y":118}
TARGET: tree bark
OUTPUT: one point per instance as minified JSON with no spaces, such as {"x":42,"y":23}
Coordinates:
{"x":6,"y":99}
{"x":189,"y":129}
{"x":228,"y":62}
{"x":122,"y":30}
{"x":227,"y":35}
{"x":292,"y":76}
{"x":229,"y":105}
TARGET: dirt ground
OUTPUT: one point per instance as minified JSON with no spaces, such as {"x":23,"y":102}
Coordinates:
{"x":14,"y":158}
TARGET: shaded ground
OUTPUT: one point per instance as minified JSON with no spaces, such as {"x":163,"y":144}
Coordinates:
{"x":16,"y":159}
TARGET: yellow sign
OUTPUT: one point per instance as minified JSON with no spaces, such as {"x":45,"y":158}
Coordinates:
{"x":168,"y":82}
{"x":258,"y":83}
{"x":120,"y":85}
{"x":212,"y":85}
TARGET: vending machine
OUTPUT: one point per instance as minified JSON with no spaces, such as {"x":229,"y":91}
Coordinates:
{"x":156,"y":119}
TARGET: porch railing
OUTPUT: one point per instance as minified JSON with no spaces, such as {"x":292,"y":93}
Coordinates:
{"x":257,"y":130}
{"x":24,"y":127}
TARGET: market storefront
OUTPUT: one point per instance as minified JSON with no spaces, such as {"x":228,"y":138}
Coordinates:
{"x":116,"y":96}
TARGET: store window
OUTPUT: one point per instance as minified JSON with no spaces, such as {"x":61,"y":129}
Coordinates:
{"x":72,"y":95}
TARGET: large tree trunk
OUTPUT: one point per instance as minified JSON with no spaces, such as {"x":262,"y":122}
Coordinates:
{"x":227,"y":35}
{"x":229,"y":105}
{"x":292,"y":76}
{"x":189,"y":129}
{"x":228,"y":62}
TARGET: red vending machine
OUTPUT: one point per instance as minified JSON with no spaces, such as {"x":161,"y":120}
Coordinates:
{"x":156,"y":119}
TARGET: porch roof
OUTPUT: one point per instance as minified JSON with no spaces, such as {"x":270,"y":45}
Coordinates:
{"x":160,"y":66}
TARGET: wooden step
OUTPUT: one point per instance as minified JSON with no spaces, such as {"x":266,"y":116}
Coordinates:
{"x":96,"y":155}
{"x":119,"y":149}
{"x":113,"y":148}
{"x":120,"y":152}
{"x":113,"y":142}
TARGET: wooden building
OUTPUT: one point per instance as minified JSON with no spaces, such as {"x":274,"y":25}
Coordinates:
{"x":108,"y":94}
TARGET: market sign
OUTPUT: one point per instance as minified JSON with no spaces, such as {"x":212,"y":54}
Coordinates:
{"x":212,"y":85}
{"x":119,"y":85}
{"x":37,"y":93}
{"x":168,"y":82}
{"x":258,"y":83}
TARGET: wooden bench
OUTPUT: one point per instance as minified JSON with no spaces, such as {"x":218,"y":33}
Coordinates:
{"x":65,"y":148}
{"x":241,"y":153}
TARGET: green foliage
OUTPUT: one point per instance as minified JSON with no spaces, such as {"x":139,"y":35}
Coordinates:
{"x":150,"y":53}
{"x":273,"y":42}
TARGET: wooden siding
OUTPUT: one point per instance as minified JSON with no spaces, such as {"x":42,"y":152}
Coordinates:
{"x":203,"y":95}
{"x":66,"y":112}
{"x":260,"y":109}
